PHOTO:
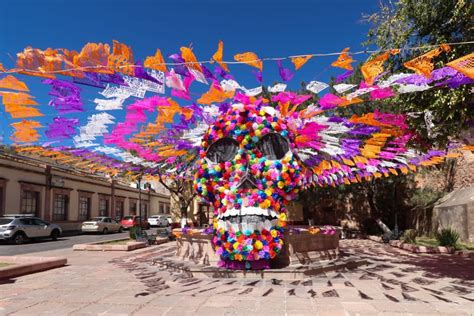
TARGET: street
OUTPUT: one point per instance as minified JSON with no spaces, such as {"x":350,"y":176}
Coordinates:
{"x":63,"y":242}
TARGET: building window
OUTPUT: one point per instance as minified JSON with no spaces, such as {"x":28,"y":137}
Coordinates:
{"x":145,"y":210}
{"x":3,"y":187}
{"x":103,"y":206}
{"x":165,"y":208}
{"x":60,"y":207}
{"x":133,"y":207}
{"x":84,"y":207}
{"x":1,"y":201}
{"x":119,"y":206}
{"x":30,"y":202}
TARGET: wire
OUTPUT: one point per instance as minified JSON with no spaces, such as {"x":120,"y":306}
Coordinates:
{"x":236,"y":62}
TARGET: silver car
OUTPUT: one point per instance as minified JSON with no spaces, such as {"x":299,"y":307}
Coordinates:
{"x":18,"y":229}
{"x":102,"y":225}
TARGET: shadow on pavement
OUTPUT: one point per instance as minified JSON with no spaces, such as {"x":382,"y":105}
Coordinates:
{"x":7,"y":281}
{"x":440,"y":266}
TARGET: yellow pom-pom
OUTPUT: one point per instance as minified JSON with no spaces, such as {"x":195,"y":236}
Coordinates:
{"x":267,"y":203}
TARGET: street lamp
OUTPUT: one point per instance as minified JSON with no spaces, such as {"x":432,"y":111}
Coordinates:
{"x":140,"y":203}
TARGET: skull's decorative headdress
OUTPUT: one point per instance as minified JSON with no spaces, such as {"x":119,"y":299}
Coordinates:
{"x":259,"y":153}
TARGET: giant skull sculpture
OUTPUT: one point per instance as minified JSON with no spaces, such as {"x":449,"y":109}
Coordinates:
{"x":248,"y":172}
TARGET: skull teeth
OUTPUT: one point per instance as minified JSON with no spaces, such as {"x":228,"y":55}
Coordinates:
{"x":247,"y":223}
{"x":248,"y":211}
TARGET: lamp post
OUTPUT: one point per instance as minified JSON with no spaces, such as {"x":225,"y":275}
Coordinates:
{"x":140,"y":202}
{"x":148,"y":210}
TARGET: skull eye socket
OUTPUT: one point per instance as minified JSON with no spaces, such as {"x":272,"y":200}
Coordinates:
{"x":222,"y":150}
{"x":273,"y":146}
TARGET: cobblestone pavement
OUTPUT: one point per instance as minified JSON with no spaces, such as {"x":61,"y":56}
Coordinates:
{"x":394,"y":282}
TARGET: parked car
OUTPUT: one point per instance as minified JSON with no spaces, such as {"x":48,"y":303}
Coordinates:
{"x":160,"y":220}
{"x":20,"y":228}
{"x":133,"y":220}
{"x":102,"y":225}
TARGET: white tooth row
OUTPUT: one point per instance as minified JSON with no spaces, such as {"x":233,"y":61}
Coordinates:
{"x":248,"y":211}
{"x":242,"y":227}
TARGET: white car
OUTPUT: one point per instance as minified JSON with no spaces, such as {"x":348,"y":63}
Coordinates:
{"x":102,"y":225}
{"x":159,"y":220}
{"x":20,"y":228}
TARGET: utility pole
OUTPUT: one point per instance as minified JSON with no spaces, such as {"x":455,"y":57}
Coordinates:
{"x":148,"y":212}
{"x":47,"y":213}
{"x":140,"y":201}
{"x":112,"y":194}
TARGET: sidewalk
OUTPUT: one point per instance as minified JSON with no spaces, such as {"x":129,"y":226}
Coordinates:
{"x":110,"y":283}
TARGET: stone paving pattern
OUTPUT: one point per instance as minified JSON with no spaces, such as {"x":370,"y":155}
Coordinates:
{"x":394,"y":282}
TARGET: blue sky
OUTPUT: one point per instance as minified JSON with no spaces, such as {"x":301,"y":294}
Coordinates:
{"x":268,"y":28}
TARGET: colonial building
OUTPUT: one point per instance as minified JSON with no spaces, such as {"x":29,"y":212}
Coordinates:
{"x":68,"y":197}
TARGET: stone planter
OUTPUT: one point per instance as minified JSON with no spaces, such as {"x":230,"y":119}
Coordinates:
{"x":26,"y":265}
{"x":129,"y":246}
{"x":300,"y":246}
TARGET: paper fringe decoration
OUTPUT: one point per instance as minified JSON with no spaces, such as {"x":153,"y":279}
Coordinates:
{"x":250,"y":59}
{"x":423,"y":64}
{"x":344,"y":60}
{"x":464,"y":65}
{"x":101,"y":68}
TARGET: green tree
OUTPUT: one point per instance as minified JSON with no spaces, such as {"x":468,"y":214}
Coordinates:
{"x":411,"y":23}
{"x":408,"y":23}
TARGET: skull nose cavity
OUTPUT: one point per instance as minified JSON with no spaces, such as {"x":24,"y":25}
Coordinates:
{"x":247,"y":183}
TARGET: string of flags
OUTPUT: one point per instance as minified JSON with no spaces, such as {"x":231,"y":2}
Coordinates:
{"x":161,"y":131}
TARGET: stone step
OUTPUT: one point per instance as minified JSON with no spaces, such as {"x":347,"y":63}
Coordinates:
{"x":287,"y":273}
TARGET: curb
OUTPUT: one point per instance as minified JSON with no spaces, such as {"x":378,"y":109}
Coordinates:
{"x":464,"y":253}
{"x":28,"y":265}
{"x":422,"y":249}
{"x":375,"y":238}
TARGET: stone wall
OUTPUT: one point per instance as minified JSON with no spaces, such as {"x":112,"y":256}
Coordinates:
{"x":456,"y":211}
{"x":464,"y":173}
{"x":300,"y":247}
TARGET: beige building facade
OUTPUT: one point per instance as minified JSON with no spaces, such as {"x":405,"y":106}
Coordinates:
{"x":68,"y":197}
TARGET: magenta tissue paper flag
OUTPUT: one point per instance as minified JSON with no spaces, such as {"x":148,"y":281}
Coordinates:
{"x":285,"y":73}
